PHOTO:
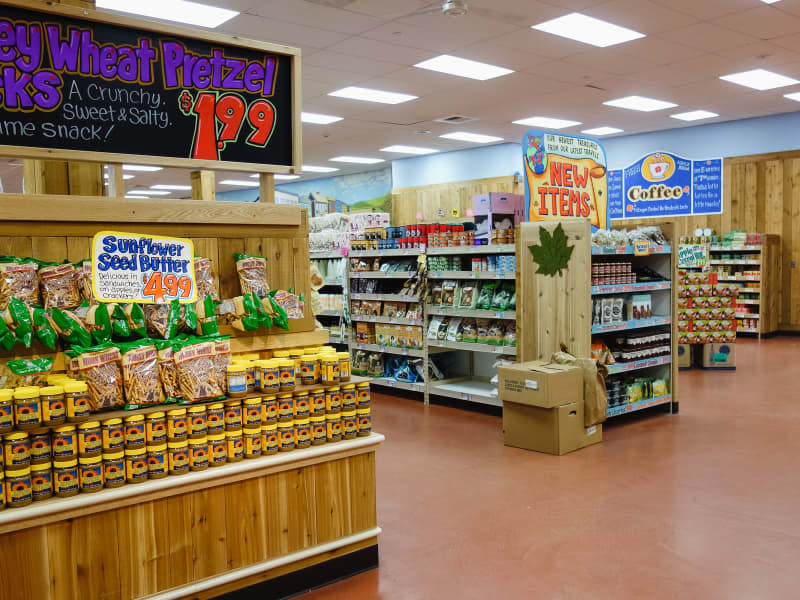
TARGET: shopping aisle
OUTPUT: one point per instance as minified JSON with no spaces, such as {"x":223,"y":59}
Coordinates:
{"x":700,"y":505}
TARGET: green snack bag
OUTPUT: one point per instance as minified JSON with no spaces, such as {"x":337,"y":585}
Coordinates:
{"x":173,"y":319}
{"x":252,"y":306}
{"x":502,"y":297}
{"x":279,"y":316}
{"x":7,"y":339}
{"x":120,"y":328}
{"x":97,"y":321}
{"x":136,"y":321}
{"x":31,"y":371}
{"x":189,"y":317}
{"x":206,"y":317}
{"x":18,"y":317}
{"x":486,"y":295}
{"x":70,"y":328}
{"x":44,"y":328}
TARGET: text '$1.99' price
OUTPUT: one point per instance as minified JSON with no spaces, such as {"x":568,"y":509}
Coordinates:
{"x":220,"y":119}
{"x":169,"y":286}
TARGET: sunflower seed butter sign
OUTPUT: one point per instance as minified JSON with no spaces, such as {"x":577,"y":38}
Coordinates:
{"x":149,"y":269}
{"x":565,"y":177}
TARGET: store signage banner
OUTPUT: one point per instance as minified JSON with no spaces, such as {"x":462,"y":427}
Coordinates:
{"x":565,"y":177}
{"x":692,"y":256}
{"x":662,"y":184}
{"x":80,"y":85}
{"x":149,"y":269}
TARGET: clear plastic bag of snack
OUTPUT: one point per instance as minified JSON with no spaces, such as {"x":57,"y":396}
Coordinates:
{"x":486,"y":295}
{"x":167,"y":371}
{"x":449,"y":293}
{"x":436,"y":294}
{"x":510,"y":338}
{"x":59,"y":285}
{"x":482,"y":326}
{"x":222,"y":358}
{"x":101,"y":368}
{"x":140,"y":374}
{"x":197,"y":374}
{"x":495,"y":333}
{"x":469,"y":332}
{"x":502,"y":297}
{"x":18,"y":279}
{"x":204,"y":278}
{"x":252,"y":274}
{"x":29,"y":371}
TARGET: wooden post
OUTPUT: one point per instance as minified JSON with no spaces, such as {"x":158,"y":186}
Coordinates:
{"x":203,"y":185}
{"x":32,"y":176}
{"x":116,"y":185}
{"x":266,"y":188}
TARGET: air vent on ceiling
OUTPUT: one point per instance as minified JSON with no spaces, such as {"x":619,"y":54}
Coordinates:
{"x":456,"y":119}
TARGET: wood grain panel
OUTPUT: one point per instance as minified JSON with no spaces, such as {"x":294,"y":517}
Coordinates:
{"x":246,"y":523}
{"x":50,"y":249}
{"x":362,"y":491}
{"x":291,"y":513}
{"x":228,"y":277}
{"x":63,"y":574}
{"x":144,"y":555}
{"x":334,"y":506}
{"x":95,"y":550}
{"x":209,"y":538}
{"x":24,"y":560}
{"x":179,"y":528}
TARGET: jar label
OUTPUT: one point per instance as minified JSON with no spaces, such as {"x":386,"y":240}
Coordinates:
{"x":302,"y":408}
{"x":233,"y":417}
{"x":114,"y":471}
{"x":364,"y":423}
{"x":235,"y":448}
{"x":156,"y":463}
{"x":89,"y":442}
{"x":286,"y":409}
{"x":18,"y":453}
{"x":18,"y":492}
{"x":178,"y":460}
{"x":334,"y":430}
{"x":40,"y":448}
{"x":269,"y":441}
{"x":253,"y":416}
{"x":319,"y":433}
{"x":344,"y":369}
{"x":287,"y":439}
{"x":286,"y":376}
{"x":176,"y":426}
{"x":78,"y":406}
{"x":333,"y":402}
{"x":42,"y":485}
{"x":350,"y":425}
{"x":270,"y":411}
{"x":237,"y":383}
{"x":134,"y":434}
{"x":198,"y":455}
{"x":113,"y":437}
{"x":269,"y":380}
{"x":136,"y":467}
{"x":156,"y":430}
{"x":54,"y":410}
{"x":302,"y":434}
{"x":219,"y":453}
{"x":91,"y":477}
{"x":66,"y":481}
{"x":318,"y":406}
{"x":63,"y":445}
{"x":252,"y":445}
{"x":28,"y":413}
{"x":198,"y":424}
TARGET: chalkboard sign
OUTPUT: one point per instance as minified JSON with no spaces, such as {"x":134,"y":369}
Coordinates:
{"x":100,"y":87}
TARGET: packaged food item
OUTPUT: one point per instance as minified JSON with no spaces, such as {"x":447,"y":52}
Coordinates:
{"x":167,"y":371}
{"x":18,"y":279}
{"x":204,"y":279}
{"x":70,"y":327}
{"x":482,"y":326}
{"x":27,"y":408}
{"x":486,"y":295}
{"x":235,"y":445}
{"x":114,"y":469}
{"x":217,"y":450}
{"x":18,"y":487}
{"x":292,"y":304}
{"x":252,"y":274}
{"x":178,"y":457}
{"x":90,"y":474}
{"x":140,"y":371}
{"x":59,"y":286}
{"x":41,"y":481}
{"x":156,"y":428}
{"x":502,"y":296}
{"x":65,"y":478}
{"x":197,"y":376}
{"x":6,"y":410}
{"x":100,"y":367}
{"x":29,"y":371}
{"x":237,"y":380}
{"x":135,"y":318}
{"x":449,"y":293}
{"x":364,"y":422}
{"x":269,"y":439}
{"x":617,"y":310}
{"x":469,"y":295}
{"x":76,"y":395}
{"x":198,"y":454}
{"x":469,"y":331}
{"x":136,"y":468}
{"x":112,"y":433}
{"x":436,"y":294}
{"x":157,"y":461}
{"x":454,"y":330}
{"x":83,"y":271}
{"x":16,"y":450}
{"x":41,"y":448}
{"x":495,"y":333}
{"x":607,"y":311}
{"x":162,"y":320}
{"x":43,"y":327}
{"x":90,"y":439}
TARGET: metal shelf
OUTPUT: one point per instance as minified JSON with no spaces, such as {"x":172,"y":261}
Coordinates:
{"x":402,"y":385}
{"x":635,"y":324}
{"x":735,"y":262}
{"x":386,"y":297}
{"x":390,"y":252}
{"x":625,"y":288}
{"x":636,"y":365}
{"x":334,"y":282}
{"x":486,"y":348}
{"x":471,"y":275}
{"x":738,"y":279}
{"x":331,"y":313}
{"x":746,"y":330}
{"x":748,"y":316}
{"x":499,"y":249}
{"x":623,"y":250}
{"x":723,"y":248}
{"x":381,"y":274}
{"x":389,"y":350}
{"x":391,"y":320}
{"x":470,"y":312}
{"x":623,"y":409}
{"x":332,"y":254}
{"x":471,"y":390}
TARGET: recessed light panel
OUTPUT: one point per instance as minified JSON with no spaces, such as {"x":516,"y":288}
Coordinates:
{"x":314,"y":169}
{"x":169,"y":186}
{"x":695,"y":115}
{"x":640,"y":103}
{"x":370,"y":95}
{"x":548,"y":122}
{"x":602,"y":131}
{"x":147,"y":193}
{"x":408,"y":150}
{"x":760,"y":79}
{"x":359,"y":160}
{"x":285,"y":176}
{"x":794,"y":96}
{"x":465,"y":136}
{"x":582,"y":28}
{"x":239,"y":183}
{"x":453,"y":65}
{"x":143,"y":168}
{"x":181,"y":11}
{"x":318,"y":119}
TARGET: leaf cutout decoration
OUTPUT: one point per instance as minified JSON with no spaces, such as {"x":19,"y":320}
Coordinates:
{"x":553,"y":253}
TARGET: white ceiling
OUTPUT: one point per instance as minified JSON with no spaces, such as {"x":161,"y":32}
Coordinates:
{"x":374,"y":43}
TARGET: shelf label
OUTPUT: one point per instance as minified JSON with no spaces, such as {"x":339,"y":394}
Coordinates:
{"x":641,"y":248}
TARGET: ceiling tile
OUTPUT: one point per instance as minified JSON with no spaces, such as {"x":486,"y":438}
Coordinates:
{"x":493,"y":53}
{"x":469,"y":28}
{"x":331,"y":76}
{"x":415,"y":37}
{"x":612,"y":60}
{"x":279,"y":32}
{"x":563,"y":71}
{"x":765,"y":55}
{"x":515,"y":12}
{"x":765,"y":22}
{"x":708,"y":37}
{"x":707,"y":9}
{"x":314,"y":15}
{"x":353,"y":64}
{"x":394,"y":53}
{"x":658,"y":51}
{"x":641,"y":15}
{"x":574,"y":4}
{"x":540,"y":43}
{"x":387,"y":9}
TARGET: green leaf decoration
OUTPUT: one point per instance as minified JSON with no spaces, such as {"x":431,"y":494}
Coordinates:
{"x":552,"y":254}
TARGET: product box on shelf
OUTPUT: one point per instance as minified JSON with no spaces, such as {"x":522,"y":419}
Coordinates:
{"x":719,"y":356}
{"x":684,"y":356}
{"x":496,"y":211}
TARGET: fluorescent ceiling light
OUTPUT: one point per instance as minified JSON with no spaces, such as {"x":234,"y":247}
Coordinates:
{"x":182,"y":11}
{"x":588,"y":30}
{"x":694,"y":115}
{"x":143,"y":168}
{"x":148,"y":192}
{"x":408,"y":149}
{"x":126,"y":177}
{"x":760,"y":79}
{"x":359,"y":160}
{"x":602,"y":131}
{"x":463,"y":67}
{"x":368,"y":95}
{"x":770,"y":1}
{"x":793,"y":96}
{"x":169,"y":186}
{"x":313,"y":169}
{"x":318,"y":119}
{"x":285,"y":176}
{"x":548,"y":122}
{"x":136,"y":196}
{"x":640,"y":103}
{"x":239,"y":182}
{"x":465,"y":136}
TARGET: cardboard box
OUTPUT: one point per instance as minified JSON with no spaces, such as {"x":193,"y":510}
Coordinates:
{"x":719,"y":356}
{"x":684,"y":356}
{"x":540,"y":383}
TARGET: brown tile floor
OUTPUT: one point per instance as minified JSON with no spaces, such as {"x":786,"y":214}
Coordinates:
{"x":705,"y":504}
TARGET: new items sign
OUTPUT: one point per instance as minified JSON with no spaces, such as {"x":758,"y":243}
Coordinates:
{"x":148,"y":269}
{"x":565,"y":177}
{"x":662,"y":184}
{"x":97,"y":86}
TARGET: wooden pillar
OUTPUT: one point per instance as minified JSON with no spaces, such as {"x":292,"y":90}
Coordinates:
{"x":32,"y":176}
{"x":203,"y":187}
{"x":266,"y":188}
{"x":115,"y":186}
{"x":80,"y":3}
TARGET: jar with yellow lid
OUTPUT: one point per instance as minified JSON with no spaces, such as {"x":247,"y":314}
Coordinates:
{"x":76,"y":396}
{"x":198,"y":422}
{"x":280,"y":354}
{"x":269,"y":439}
{"x":329,"y":368}
{"x":269,"y":379}
{"x":41,"y":481}
{"x":349,"y":425}
{"x":198,"y":454}
{"x":349,"y":396}
{"x":363,"y":398}
{"x":285,"y":407}
{"x":285,"y":436}
{"x":56,"y":378}
{"x":18,"y":487}
{"x":364,"y":422}
{"x":177,"y":426}
{"x":6,"y":410}
{"x":113,"y":434}
{"x":344,"y":366}
{"x":309,"y":369}
{"x":134,"y":432}
{"x":246,"y":356}
{"x":286,"y":375}
{"x":155,"y":428}
{"x":54,"y":407}
{"x":16,"y":450}
{"x":302,"y":405}
{"x":90,"y":439}
{"x":65,"y":478}
{"x":41,"y":447}
{"x":334,"y":427}
{"x":136,"y":465}
{"x":157,"y":461}
{"x":2,"y":490}
{"x":333,"y":400}
{"x":215,"y":418}
{"x":302,"y":433}
{"x":327,"y":350}
{"x":64,"y":443}
{"x":178,"y":457}
{"x":269,"y":410}
{"x":27,"y":408}
{"x":252,"y":441}
{"x":316,"y":400}
{"x":90,"y":474}
{"x":237,"y":380}
{"x":217,"y":449}
{"x":296,"y":355}
{"x":114,"y":469}
{"x":233,"y":415}
{"x":319,"y":432}
{"x":251,"y":408}
{"x":250,"y":369}
{"x":235,"y":444}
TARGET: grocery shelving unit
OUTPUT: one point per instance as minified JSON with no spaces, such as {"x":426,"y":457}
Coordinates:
{"x":335,"y":321}
{"x":758,"y":303}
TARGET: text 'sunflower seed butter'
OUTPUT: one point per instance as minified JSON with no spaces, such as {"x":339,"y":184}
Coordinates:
{"x":198,"y":422}
{"x":64,"y":443}
{"x":235,"y":445}
{"x":113,"y":433}
{"x":316,"y":400}
{"x":285,"y":408}
{"x":198,"y":454}
{"x":286,"y":436}
{"x":156,"y":428}
{"x":319,"y":433}
{"x":76,"y":395}
{"x":233,"y":415}
{"x":27,"y":408}
{"x":269,"y":439}
{"x":302,"y":433}
{"x":134,"y":432}
{"x":270,"y":376}
{"x":334,"y":427}
{"x":54,"y":407}
{"x":177,"y":427}
{"x":364,"y":422}
{"x":41,"y":448}
{"x":363,"y":399}
{"x":302,"y":405}
{"x":252,"y":412}
{"x":348,"y":397}
{"x":286,"y":375}
{"x":215,"y":418}
{"x":349,"y":425}
{"x":90,"y":439}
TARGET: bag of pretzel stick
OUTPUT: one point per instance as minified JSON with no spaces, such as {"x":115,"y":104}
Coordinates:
{"x":101,"y":368}
{"x":140,"y":375}
{"x":167,"y":371}
{"x":197,"y":376}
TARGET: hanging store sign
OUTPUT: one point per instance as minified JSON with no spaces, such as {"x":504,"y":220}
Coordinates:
{"x":662,"y":184}
{"x":87,"y":87}
{"x":148,"y":269}
{"x":566,"y":177}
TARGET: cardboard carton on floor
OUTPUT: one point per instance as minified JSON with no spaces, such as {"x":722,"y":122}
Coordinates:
{"x":684,"y":356}
{"x":719,"y":356}
{"x":543,"y":408}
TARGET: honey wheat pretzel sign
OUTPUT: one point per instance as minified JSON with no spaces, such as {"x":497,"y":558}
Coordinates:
{"x":566,"y":176}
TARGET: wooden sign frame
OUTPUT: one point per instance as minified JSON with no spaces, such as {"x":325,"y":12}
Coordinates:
{"x":293,"y":54}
